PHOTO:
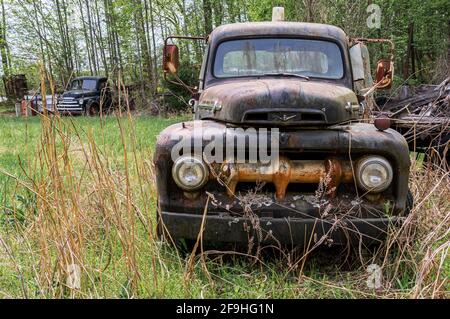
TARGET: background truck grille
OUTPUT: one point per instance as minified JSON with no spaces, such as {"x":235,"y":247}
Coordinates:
{"x":69,"y":105}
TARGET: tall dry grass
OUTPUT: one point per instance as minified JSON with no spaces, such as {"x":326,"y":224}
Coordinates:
{"x":83,"y":203}
{"x":422,"y":243}
{"x":94,"y":220}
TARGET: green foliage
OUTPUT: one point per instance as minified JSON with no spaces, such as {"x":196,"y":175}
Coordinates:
{"x":125,"y":37}
{"x":180,"y":96}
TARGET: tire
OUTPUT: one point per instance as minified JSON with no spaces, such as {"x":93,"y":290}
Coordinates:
{"x":92,"y":110}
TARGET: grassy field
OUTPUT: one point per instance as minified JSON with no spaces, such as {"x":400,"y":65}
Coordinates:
{"x":80,"y":191}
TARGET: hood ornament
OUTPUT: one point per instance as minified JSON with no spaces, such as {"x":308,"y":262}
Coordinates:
{"x":284,"y":117}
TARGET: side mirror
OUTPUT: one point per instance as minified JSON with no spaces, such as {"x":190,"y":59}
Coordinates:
{"x":171,"y":60}
{"x":384,"y":74}
{"x":357,"y":62}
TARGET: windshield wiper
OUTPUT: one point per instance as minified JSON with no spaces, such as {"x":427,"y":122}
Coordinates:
{"x":288,"y":74}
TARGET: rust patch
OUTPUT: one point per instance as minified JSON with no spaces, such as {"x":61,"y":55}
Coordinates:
{"x":287,"y":171}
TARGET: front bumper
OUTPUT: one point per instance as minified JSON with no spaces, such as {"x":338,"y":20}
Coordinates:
{"x":65,"y":110}
{"x":295,"y":231}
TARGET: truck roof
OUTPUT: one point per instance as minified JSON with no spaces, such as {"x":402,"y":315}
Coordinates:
{"x":289,"y":29}
{"x":91,"y":78}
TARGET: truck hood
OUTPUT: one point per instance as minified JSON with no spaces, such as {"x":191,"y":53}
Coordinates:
{"x":278,"y":102}
{"x":78,"y":93}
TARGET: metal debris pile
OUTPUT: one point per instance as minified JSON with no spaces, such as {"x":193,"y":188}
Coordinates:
{"x":419,"y":111}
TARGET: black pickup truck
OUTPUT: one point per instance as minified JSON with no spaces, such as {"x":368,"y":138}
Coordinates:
{"x":86,"y":95}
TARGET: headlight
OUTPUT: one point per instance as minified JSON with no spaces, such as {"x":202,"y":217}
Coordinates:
{"x":81,"y":101}
{"x":374,"y":174}
{"x":190,"y":173}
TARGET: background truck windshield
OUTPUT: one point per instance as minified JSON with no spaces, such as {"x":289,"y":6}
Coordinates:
{"x":253,"y":57}
{"x":89,"y":85}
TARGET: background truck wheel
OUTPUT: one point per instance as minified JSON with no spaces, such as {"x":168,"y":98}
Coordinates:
{"x":92,"y":109}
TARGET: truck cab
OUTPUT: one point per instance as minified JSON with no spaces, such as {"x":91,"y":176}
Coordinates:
{"x":335,"y":176}
{"x":86,"y":95}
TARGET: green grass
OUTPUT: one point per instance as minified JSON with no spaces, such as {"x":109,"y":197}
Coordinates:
{"x":20,"y":139}
{"x":118,"y":256}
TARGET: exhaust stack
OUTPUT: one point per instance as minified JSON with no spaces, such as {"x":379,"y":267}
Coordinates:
{"x":277,"y":14}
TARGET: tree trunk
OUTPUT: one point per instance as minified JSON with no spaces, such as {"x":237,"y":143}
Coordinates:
{"x":86,"y":37}
{"x":3,"y":43}
{"x":65,"y":42}
{"x":144,"y":45}
{"x":100,"y":40}
{"x":409,"y":53}
{"x":91,"y":37}
{"x":207,"y":14}
{"x":218,"y":12}
{"x":155,"y":61}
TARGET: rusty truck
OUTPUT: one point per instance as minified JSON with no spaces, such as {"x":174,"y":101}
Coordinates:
{"x":338,"y":176}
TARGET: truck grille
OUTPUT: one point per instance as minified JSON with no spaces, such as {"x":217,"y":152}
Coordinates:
{"x":69,"y":105}
{"x":285,"y":117}
{"x":285,"y":172}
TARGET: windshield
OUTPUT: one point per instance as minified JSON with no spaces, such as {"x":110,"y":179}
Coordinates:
{"x":87,"y":85}
{"x":253,"y":57}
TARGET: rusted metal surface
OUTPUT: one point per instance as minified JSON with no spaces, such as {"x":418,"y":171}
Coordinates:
{"x":286,"y":171}
{"x":286,"y":102}
{"x":265,"y":204}
{"x":267,"y":101}
{"x":170,"y":59}
{"x":293,"y":29}
{"x":348,"y":143}
{"x":274,"y":231}
{"x":319,"y":143}
{"x":374,"y":40}
{"x":385,"y":67}
{"x":382,"y":123}
{"x":384,"y":75}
